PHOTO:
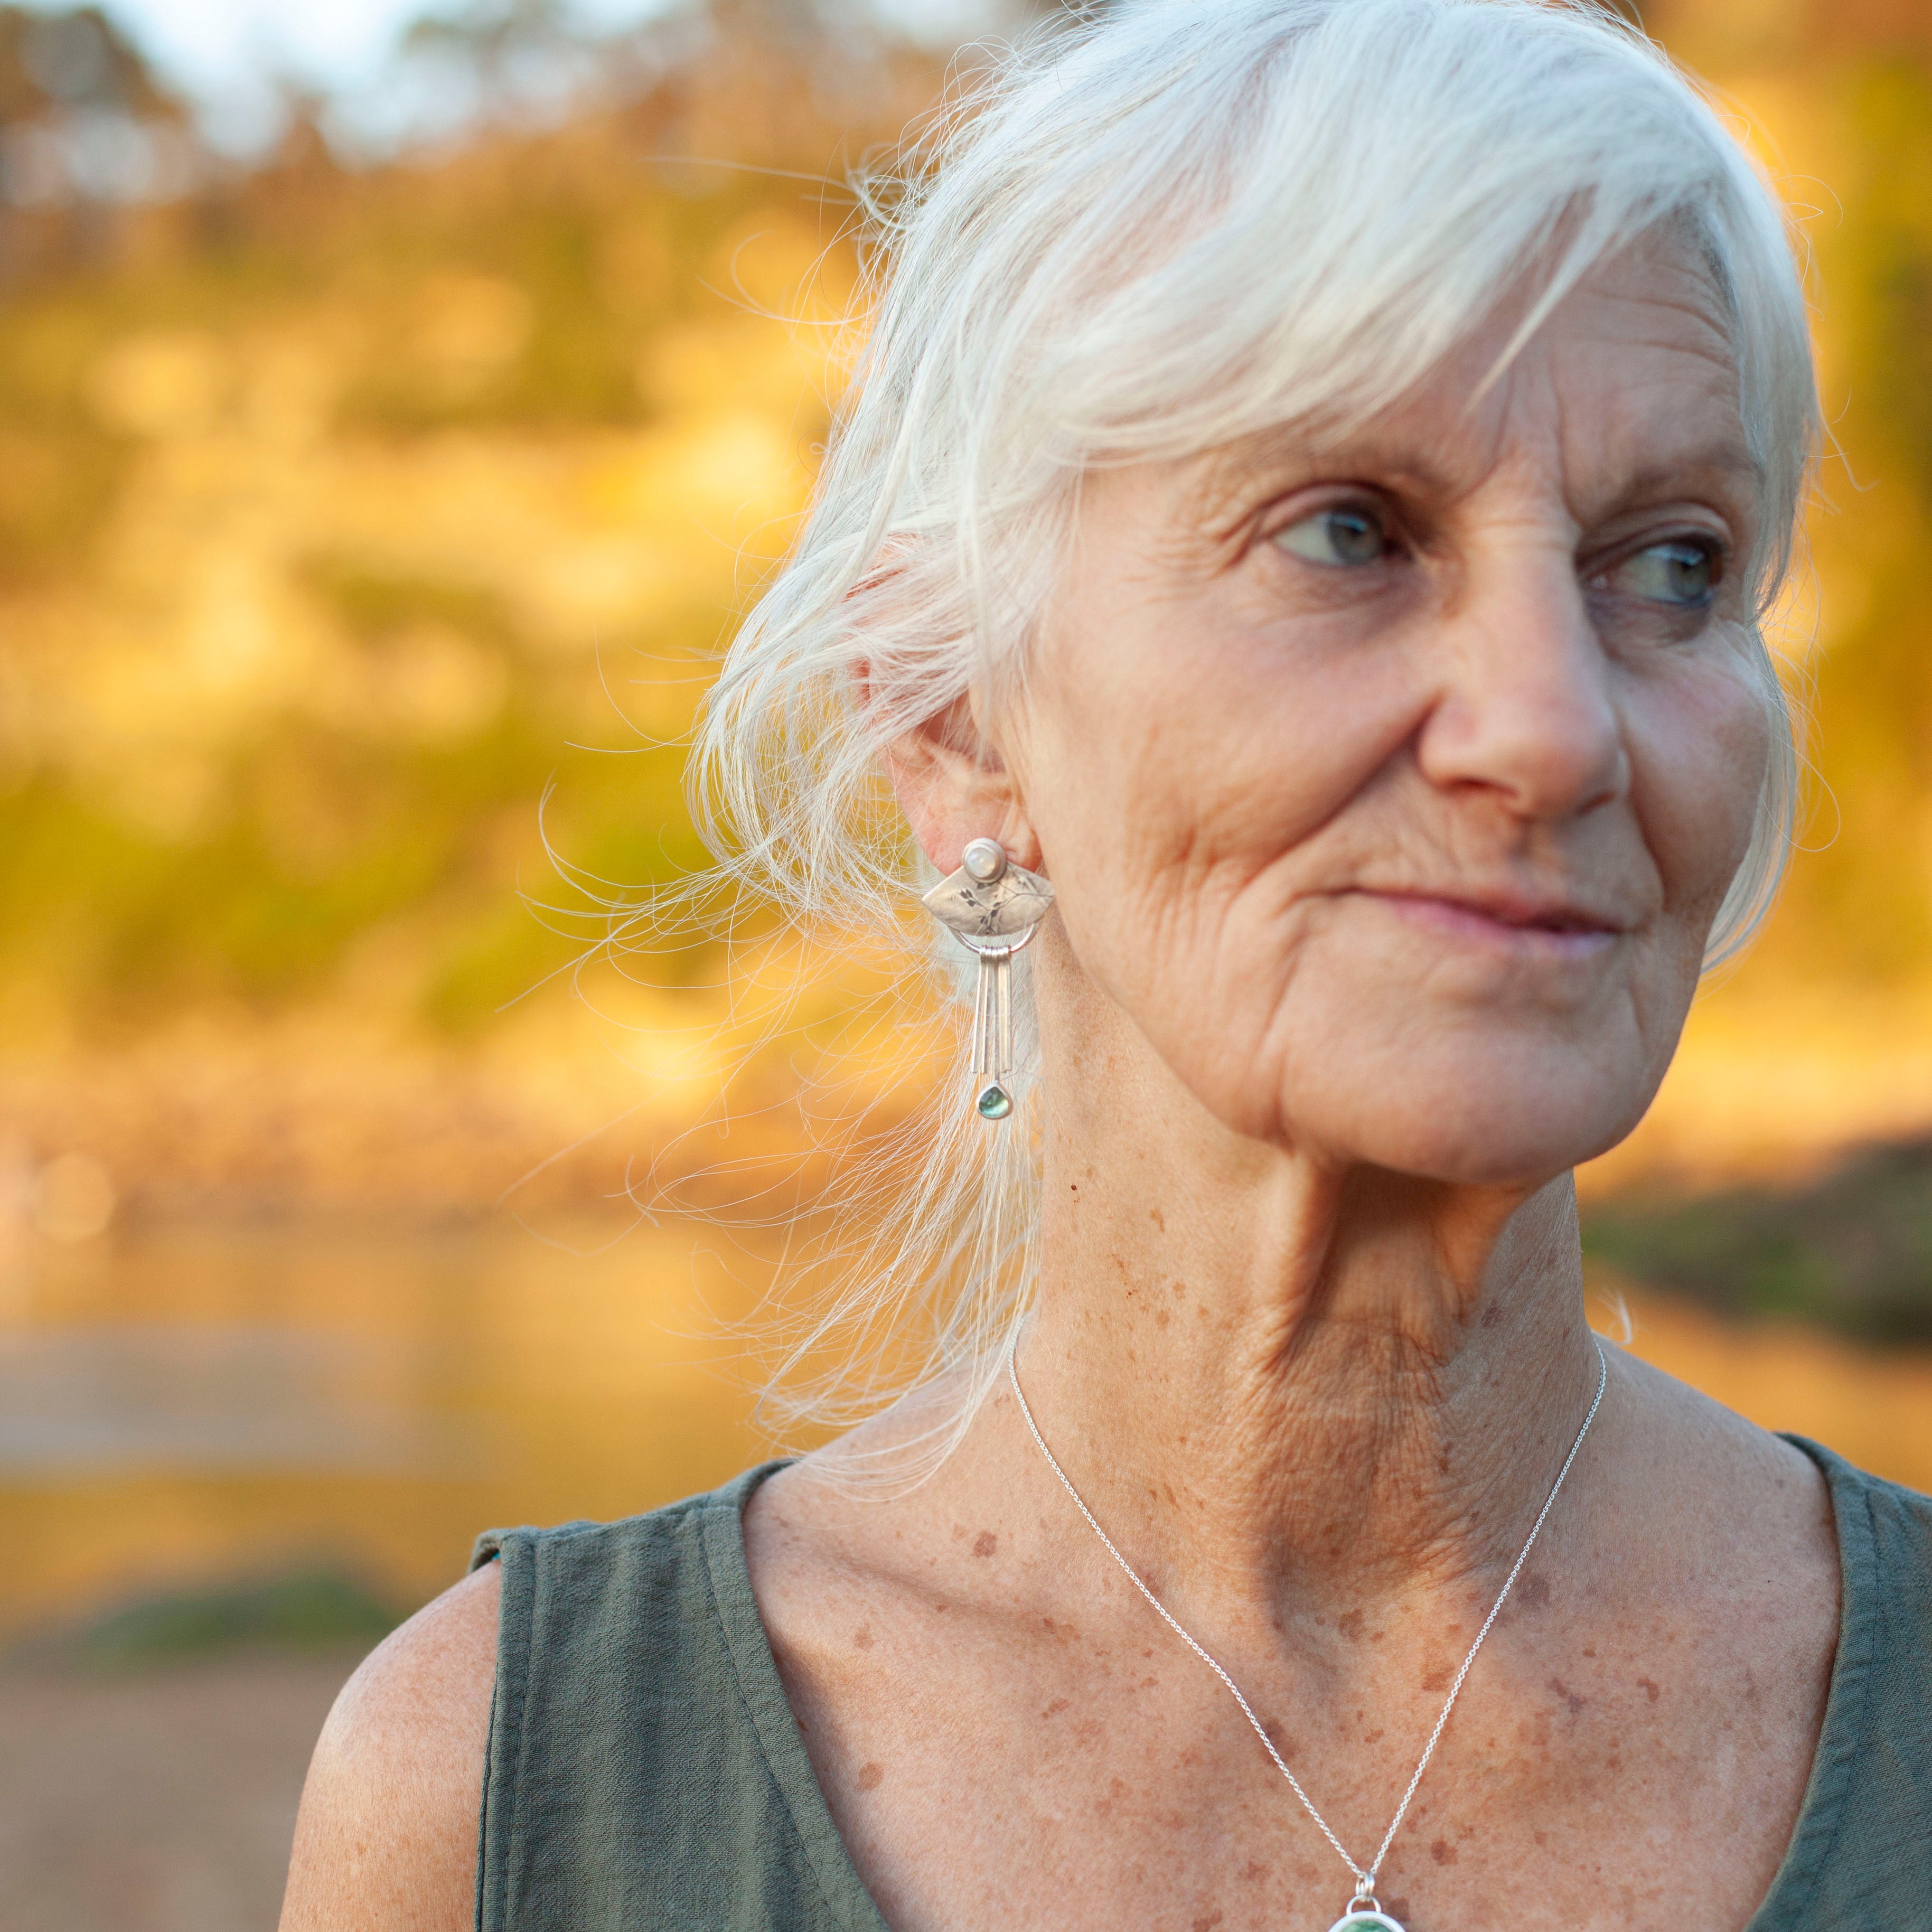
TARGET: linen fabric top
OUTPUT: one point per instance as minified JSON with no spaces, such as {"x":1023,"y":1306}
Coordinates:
{"x":645,"y":1773}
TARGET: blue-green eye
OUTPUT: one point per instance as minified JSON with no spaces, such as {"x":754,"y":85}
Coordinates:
{"x":1677,"y":573}
{"x":1345,"y":536}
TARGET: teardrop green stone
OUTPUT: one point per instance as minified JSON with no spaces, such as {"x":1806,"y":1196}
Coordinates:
{"x":995,"y":1103}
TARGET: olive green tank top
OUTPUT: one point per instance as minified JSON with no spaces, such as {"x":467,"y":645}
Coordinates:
{"x":645,"y":1773}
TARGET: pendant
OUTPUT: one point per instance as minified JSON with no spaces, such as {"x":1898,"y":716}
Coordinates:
{"x":1364,"y":1915}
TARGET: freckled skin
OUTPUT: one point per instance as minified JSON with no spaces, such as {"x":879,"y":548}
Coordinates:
{"x":1381,"y":890}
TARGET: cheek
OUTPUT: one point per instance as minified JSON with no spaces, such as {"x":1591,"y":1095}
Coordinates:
{"x":1700,"y":748}
{"x":1169,"y":791}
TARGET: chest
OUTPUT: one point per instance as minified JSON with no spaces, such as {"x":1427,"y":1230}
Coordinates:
{"x":990,"y":1779}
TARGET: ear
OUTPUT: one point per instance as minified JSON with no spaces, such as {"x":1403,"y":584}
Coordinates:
{"x":954,"y":785}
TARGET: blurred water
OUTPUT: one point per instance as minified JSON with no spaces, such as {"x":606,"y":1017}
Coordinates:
{"x":184,"y":1402}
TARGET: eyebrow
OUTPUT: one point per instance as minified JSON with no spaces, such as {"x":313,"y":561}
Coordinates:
{"x":1229,"y":471}
{"x":1725,"y":461}
{"x":1729,"y":459}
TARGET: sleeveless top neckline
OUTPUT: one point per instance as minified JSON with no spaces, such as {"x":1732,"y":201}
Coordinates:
{"x":645,"y":1767}
{"x":770,"y":1709}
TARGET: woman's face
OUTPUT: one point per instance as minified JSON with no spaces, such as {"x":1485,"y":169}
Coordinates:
{"x":1389,"y":788}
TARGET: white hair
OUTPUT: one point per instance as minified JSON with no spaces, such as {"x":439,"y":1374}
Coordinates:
{"x":1141,"y":236}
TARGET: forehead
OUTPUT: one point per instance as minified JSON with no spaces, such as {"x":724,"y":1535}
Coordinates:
{"x":1630,"y":383}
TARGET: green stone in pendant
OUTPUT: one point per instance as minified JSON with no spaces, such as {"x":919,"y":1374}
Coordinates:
{"x":995,"y":1103}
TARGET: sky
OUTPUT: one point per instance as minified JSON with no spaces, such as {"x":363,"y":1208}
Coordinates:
{"x":224,"y":54}
{"x":210,"y":47}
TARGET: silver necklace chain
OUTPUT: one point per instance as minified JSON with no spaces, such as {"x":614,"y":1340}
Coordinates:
{"x":1365,"y":1876}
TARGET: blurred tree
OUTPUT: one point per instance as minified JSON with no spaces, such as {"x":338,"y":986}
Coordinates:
{"x":84,"y":125}
{"x":339,"y":505}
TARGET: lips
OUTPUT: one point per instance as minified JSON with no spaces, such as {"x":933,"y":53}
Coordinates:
{"x":1550,"y":921}
{"x":1555,"y":911}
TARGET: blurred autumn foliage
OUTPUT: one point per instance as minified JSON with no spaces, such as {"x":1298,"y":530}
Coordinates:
{"x":346,"y":512}
{"x":343,"y":514}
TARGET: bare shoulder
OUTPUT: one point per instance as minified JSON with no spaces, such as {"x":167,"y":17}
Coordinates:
{"x":1755,"y":1505}
{"x":386,"y":1840}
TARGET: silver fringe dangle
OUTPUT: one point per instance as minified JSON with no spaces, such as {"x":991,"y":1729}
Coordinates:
{"x":993,"y":908}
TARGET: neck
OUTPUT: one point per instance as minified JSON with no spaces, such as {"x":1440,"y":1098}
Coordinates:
{"x":1312,"y":1384}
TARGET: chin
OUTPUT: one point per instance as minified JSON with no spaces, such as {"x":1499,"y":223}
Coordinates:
{"x":1484,"y":1125}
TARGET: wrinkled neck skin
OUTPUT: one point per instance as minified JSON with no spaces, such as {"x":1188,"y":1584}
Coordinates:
{"x":1279,"y":1376}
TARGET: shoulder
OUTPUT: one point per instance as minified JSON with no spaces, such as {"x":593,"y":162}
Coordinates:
{"x":387,"y":1833}
{"x":1885,"y":1532}
{"x":542,"y":1680}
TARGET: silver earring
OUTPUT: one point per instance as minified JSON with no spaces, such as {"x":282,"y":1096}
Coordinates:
{"x":993,"y":908}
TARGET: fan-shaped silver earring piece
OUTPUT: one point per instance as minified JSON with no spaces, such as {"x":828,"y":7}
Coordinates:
{"x":993,"y":908}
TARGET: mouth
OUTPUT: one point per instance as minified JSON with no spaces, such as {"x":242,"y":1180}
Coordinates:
{"x":1550,"y":928}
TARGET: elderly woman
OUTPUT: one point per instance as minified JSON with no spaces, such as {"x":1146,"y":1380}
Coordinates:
{"x":1296,"y":550}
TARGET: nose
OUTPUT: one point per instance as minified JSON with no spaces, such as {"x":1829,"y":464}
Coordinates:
{"x":1523,"y":707}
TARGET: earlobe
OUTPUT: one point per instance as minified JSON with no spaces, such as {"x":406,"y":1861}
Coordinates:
{"x":954,"y":786}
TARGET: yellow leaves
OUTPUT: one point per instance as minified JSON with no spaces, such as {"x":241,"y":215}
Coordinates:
{"x":184,"y":386}
{"x":783,"y":371}
{"x":462,"y":330}
{"x":427,"y":684}
{"x":159,"y":384}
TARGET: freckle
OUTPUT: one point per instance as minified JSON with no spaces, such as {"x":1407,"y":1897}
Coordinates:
{"x":862,"y":1639}
{"x":871,"y":1776}
{"x":986,"y":1544}
{"x":1374,"y":1737}
{"x":1207,"y":1921}
{"x":1350,"y":1626}
{"x":1443,"y":1852}
{"x":1589,"y":1650}
{"x":1437,"y":1679}
{"x":1254,"y":1872}
{"x":1652,"y":1691}
{"x":1158,"y":1218}
{"x":1160,"y":1318}
{"x":1533,"y":1592}
{"x":1492,"y":1315}
{"x":1570,"y":1697}
{"x":1058,"y":1704}
{"x":1542,"y":1838}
